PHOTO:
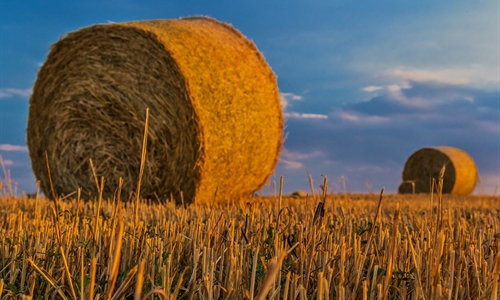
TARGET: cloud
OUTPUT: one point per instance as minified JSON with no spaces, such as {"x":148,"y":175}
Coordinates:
{"x":491,"y":126}
{"x":294,"y":155}
{"x":287,"y":97}
{"x":291,"y":165}
{"x":353,"y":117}
{"x":372,"y":88}
{"x":474,"y":75}
{"x":8,"y":162}
{"x":11,"y":92}
{"x":8,"y":147}
{"x":443,"y":76}
{"x":397,"y":93}
{"x":426,"y":99}
{"x":297,"y":115}
{"x":293,"y":160}
{"x":383,"y":106}
{"x":347,"y":116}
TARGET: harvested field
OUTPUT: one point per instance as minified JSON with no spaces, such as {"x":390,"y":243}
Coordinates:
{"x":416,"y":247}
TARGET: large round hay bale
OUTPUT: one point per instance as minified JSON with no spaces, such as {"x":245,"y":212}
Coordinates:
{"x":215,"y":123}
{"x":460,"y":174}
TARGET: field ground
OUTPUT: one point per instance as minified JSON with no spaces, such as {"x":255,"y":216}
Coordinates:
{"x":416,"y":247}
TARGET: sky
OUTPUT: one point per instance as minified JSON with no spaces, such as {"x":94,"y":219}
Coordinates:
{"x":363,"y":84}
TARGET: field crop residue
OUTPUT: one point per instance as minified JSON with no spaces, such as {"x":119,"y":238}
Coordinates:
{"x":402,"y":247}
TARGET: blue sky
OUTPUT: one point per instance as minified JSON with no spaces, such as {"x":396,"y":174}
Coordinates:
{"x":363,"y":83}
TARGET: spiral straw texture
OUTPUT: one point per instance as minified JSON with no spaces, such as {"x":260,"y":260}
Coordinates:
{"x":215,"y":125}
{"x":460,"y":174}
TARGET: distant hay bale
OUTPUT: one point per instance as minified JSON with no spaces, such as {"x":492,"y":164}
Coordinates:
{"x":407,"y":187}
{"x":299,"y":194}
{"x":459,"y":178}
{"x":215,"y":125}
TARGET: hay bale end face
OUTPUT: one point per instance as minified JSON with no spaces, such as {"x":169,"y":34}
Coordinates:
{"x":459,"y":178}
{"x":215,"y":119}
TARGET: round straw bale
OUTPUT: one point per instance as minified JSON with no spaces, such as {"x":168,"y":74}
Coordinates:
{"x":459,"y":178}
{"x":299,"y":194}
{"x":215,"y":119}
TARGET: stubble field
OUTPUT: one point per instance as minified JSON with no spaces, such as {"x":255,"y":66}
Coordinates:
{"x":359,"y":247}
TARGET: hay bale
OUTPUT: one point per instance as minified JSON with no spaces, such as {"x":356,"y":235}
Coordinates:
{"x":215,"y":116}
{"x":459,"y":178}
{"x":407,"y":187}
{"x":299,"y":194}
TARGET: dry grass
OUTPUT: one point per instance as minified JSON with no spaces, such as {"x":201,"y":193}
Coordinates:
{"x":357,"y":247}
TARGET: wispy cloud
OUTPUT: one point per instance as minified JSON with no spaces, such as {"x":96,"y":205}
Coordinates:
{"x":294,"y":155}
{"x":347,"y":116}
{"x":8,"y":162}
{"x":291,"y":165}
{"x":287,"y":97}
{"x":293,"y":160}
{"x":372,"y":88}
{"x":443,"y":76}
{"x":356,"y":117}
{"x":490,"y":126}
{"x":422,"y":94}
{"x":396,"y":93}
{"x":11,"y":93}
{"x":8,"y":147}
{"x":297,"y":115}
